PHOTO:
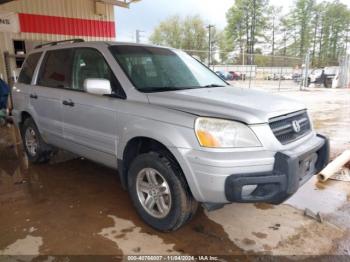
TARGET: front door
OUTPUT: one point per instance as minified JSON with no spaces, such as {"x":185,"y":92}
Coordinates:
{"x":90,"y":121}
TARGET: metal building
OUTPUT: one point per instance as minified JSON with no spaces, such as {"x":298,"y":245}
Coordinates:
{"x":27,"y":23}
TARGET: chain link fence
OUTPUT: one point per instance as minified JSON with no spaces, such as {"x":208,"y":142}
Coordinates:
{"x":276,"y":73}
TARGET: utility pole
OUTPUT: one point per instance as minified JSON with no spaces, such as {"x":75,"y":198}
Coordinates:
{"x":285,"y":42}
{"x":243,"y":55}
{"x":304,"y":82}
{"x":210,"y":44}
{"x":314,"y":45}
{"x":138,"y":35}
{"x":346,"y":41}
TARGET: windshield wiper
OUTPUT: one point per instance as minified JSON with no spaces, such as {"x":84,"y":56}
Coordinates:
{"x":176,"y":88}
{"x":213,"y":85}
{"x":164,"y":89}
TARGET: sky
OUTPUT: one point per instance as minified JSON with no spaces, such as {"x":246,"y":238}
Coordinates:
{"x":147,"y":14}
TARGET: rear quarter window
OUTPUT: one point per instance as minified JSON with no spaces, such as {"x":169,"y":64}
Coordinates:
{"x":28,"y":68}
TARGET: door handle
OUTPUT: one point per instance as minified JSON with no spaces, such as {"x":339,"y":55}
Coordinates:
{"x":33,"y":96}
{"x":68,"y":103}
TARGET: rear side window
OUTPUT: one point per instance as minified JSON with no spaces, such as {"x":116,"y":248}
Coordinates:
{"x":56,"y":70}
{"x":28,"y":68}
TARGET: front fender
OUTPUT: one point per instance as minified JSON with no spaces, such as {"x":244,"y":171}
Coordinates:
{"x":176,"y":139}
{"x":171,"y":136}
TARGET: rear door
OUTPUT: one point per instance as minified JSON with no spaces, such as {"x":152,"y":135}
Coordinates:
{"x":46,"y":98}
{"x":90,"y":121}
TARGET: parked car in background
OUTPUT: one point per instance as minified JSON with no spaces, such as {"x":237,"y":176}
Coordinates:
{"x":297,"y":77}
{"x":287,"y":77}
{"x":224,"y":75}
{"x":176,"y":132}
{"x":330,"y":73}
{"x":270,"y":77}
{"x":315,"y":76}
{"x":273,"y":76}
{"x":323,"y":76}
{"x":235,"y":75}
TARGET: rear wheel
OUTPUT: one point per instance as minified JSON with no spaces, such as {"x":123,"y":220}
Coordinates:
{"x":36,"y":148}
{"x":159,"y":192}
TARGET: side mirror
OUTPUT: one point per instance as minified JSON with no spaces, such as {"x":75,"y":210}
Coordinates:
{"x":97,"y":86}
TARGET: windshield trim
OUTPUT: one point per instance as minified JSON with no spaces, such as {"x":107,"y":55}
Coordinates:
{"x":167,"y":90}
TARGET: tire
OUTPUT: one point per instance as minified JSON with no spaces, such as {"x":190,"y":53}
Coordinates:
{"x":39,"y":152}
{"x":175,"y":194}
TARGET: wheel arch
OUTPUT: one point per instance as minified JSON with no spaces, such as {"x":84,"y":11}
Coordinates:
{"x":23,"y":116}
{"x":140,"y":145}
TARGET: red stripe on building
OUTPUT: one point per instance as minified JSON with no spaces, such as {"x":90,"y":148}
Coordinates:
{"x":56,"y":25}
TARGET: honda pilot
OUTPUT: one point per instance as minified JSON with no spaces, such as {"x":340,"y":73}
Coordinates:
{"x":176,"y":132}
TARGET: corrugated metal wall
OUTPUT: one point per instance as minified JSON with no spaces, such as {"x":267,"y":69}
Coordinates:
{"x":82,"y":9}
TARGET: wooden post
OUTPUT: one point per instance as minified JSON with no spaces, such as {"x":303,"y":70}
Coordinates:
{"x":10,"y":81}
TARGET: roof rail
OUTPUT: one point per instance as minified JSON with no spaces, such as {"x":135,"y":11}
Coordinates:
{"x":77,"y":40}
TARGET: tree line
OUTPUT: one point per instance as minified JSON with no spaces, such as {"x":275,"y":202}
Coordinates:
{"x":259,"y":32}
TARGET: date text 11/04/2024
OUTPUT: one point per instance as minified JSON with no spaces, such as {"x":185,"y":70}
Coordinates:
{"x":172,"y":258}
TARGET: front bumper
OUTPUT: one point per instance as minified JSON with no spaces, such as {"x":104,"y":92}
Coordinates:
{"x":288,"y":174}
{"x":207,"y":171}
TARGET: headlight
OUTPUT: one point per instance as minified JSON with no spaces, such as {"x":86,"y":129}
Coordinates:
{"x":220,"y":133}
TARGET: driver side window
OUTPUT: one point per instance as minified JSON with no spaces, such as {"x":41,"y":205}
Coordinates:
{"x":90,"y":63}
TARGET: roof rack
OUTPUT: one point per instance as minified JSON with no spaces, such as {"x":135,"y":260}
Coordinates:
{"x":77,"y":40}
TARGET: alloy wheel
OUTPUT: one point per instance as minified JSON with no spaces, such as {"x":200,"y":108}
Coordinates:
{"x":153,"y":192}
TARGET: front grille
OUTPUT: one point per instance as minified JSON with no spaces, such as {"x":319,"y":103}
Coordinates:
{"x":287,"y":132}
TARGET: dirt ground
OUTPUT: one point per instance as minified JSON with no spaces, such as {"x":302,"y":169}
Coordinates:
{"x":77,"y":207}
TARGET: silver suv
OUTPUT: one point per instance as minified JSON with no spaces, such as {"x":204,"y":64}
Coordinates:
{"x":177,"y":133}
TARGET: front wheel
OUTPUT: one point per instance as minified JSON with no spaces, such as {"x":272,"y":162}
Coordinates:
{"x":159,"y":192}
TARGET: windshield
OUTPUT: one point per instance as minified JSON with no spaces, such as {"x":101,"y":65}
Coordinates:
{"x":155,"y":69}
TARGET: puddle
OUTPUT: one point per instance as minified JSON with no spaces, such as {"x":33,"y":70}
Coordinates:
{"x":202,"y":235}
{"x":259,"y":234}
{"x":315,"y":239}
{"x":132,"y":241}
{"x":28,"y":246}
{"x":74,"y":199}
{"x":243,"y":221}
{"x":282,"y":230}
{"x":327,"y":200}
{"x":343,"y":246}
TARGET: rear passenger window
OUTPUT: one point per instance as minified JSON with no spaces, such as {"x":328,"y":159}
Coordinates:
{"x":56,"y":69}
{"x":28,"y":68}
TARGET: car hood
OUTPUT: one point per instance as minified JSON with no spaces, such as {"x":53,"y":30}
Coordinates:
{"x":247,"y":105}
